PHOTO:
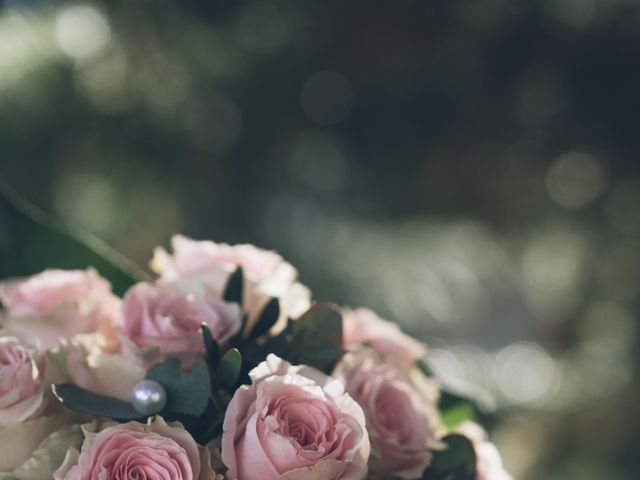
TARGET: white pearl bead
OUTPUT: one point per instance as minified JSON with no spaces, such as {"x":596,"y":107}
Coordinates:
{"x":148,"y":397}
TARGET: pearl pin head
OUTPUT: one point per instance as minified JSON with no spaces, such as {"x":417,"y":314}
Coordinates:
{"x":148,"y":397}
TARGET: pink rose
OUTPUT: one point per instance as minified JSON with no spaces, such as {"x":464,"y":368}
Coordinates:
{"x":58,"y":304}
{"x":399,"y":421}
{"x":134,"y":451}
{"x":204,"y":267}
{"x":153,"y":317}
{"x":362,"y":326}
{"x":293,"y":423}
{"x":488,"y":461}
{"x":22,"y":382}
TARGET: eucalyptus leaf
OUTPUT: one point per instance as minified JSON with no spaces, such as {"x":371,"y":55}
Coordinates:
{"x":187,"y":392}
{"x":235,"y":286}
{"x":266,"y":320}
{"x":229,"y":369}
{"x":212,"y":349}
{"x":316,"y":337}
{"x":31,"y":241}
{"x":84,"y":401}
{"x":456,"y":462}
{"x":321,"y":325}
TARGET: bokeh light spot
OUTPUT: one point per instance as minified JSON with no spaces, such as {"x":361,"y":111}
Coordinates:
{"x":82,"y":31}
{"x":524,"y":372}
{"x":327,"y":98}
{"x":319,"y":160}
{"x":575,"y":179}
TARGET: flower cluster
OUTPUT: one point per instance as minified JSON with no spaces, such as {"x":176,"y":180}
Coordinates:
{"x":222,"y":367}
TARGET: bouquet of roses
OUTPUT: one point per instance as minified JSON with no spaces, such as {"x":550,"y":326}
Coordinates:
{"x":222,"y":367}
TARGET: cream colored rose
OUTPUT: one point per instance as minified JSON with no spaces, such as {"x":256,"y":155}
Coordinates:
{"x":56,"y":304}
{"x":34,"y":449}
{"x":204,"y":267}
{"x":86,"y":361}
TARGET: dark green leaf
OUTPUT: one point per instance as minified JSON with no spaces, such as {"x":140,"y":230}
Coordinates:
{"x":449,"y":400}
{"x":316,"y":337}
{"x":267,"y":319}
{"x":90,"y":403}
{"x":455,"y":409}
{"x":187,"y":392}
{"x":424,"y":367}
{"x":30,"y":242}
{"x":456,"y":462}
{"x":211,"y":347}
{"x":229,"y":369}
{"x":213,"y":430}
{"x":235,"y":285}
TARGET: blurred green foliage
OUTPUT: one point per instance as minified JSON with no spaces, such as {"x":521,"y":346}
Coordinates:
{"x":465,"y":167}
{"x":31,"y":242}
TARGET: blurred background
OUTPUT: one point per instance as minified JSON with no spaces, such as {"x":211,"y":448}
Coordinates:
{"x":468,"y":168}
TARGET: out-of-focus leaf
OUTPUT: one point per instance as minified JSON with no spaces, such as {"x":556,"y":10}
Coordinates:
{"x":84,"y":401}
{"x":229,"y":369}
{"x":211,"y":347}
{"x":235,"y":285}
{"x":266,"y":320}
{"x":457,"y":414}
{"x":187,"y":392}
{"x":456,"y":462}
{"x":424,"y":367}
{"x":30,"y":242}
{"x":455,"y":409}
{"x":316,"y":337}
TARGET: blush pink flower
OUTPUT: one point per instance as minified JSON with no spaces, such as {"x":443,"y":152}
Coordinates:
{"x":134,"y":451}
{"x":401,"y":423}
{"x":204,"y":267}
{"x":162,"y":319}
{"x":488,"y":461}
{"x":22,"y":384}
{"x":293,"y":423}
{"x":57,"y":304}
{"x":363,"y":327}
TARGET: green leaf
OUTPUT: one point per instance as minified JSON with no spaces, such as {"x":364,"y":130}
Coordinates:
{"x":267,"y":319}
{"x":317,"y":337}
{"x":211,"y":347}
{"x":187,"y":392}
{"x":214,"y":430}
{"x":229,"y":369}
{"x":30,"y":242}
{"x":454,"y":416}
{"x":455,"y":409}
{"x":424,"y":367}
{"x":234,"y":288}
{"x":456,"y":462}
{"x":84,"y":401}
